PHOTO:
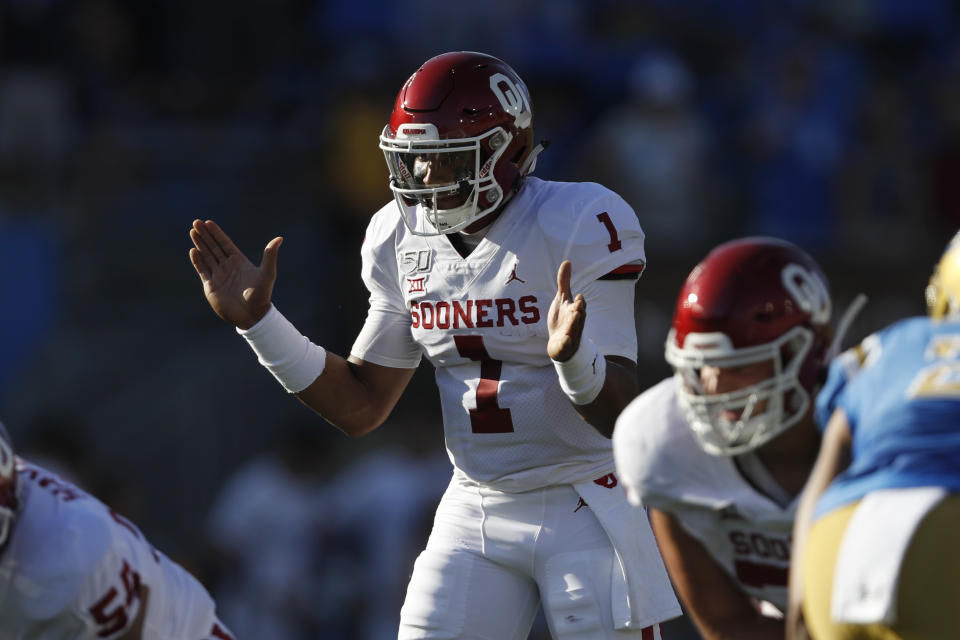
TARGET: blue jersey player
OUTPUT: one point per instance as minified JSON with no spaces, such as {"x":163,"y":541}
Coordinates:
{"x":875,"y":532}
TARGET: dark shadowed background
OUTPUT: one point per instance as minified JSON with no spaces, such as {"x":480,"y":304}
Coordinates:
{"x":832,"y":124}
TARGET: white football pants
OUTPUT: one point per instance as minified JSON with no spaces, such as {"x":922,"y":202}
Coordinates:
{"x":492,"y":557}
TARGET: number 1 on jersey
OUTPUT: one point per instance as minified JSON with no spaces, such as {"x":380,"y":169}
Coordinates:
{"x":615,"y":243}
{"x":488,"y":417}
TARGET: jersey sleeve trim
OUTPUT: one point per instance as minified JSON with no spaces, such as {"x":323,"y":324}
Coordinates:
{"x":595,"y":229}
{"x":624,"y":272}
{"x":385,"y":361}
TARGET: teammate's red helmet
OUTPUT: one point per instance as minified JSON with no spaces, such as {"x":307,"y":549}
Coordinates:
{"x":748,"y":301}
{"x":468,"y":114}
{"x":8,"y":486}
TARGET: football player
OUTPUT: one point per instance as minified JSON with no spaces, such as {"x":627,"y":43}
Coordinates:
{"x":875,"y":537}
{"x":71,"y":567}
{"x":720,"y":451}
{"x":520,"y":293}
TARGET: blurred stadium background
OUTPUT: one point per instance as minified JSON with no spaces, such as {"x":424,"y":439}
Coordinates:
{"x":833,"y":124}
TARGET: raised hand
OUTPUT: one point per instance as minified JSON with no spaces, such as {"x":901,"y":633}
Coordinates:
{"x":237,"y":290}
{"x":565,"y":318}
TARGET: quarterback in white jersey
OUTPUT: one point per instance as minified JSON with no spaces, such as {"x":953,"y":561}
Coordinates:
{"x":488,"y":311}
{"x":475,"y":265}
{"x":73,"y":569}
{"x":720,"y":452}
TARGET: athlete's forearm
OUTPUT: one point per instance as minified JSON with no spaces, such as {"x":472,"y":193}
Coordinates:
{"x":619,"y":388}
{"x":720,"y":609}
{"x":355,"y":397}
{"x":834,"y":458}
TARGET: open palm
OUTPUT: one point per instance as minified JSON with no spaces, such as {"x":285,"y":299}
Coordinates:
{"x":237,"y":290}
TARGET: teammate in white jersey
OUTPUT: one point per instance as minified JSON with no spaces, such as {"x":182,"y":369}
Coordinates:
{"x":73,"y":569}
{"x":720,"y":451}
{"x":475,"y":265}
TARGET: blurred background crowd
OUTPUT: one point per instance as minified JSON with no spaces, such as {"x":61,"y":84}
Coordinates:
{"x":833,"y":124}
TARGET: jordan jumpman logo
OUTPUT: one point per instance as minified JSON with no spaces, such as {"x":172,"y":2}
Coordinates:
{"x":513,"y":275}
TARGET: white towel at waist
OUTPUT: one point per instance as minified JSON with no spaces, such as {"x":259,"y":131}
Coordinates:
{"x":642,"y":594}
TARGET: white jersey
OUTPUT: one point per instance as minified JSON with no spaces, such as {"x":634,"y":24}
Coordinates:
{"x":482,"y":323}
{"x":72,"y":571}
{"x":660,"y":463}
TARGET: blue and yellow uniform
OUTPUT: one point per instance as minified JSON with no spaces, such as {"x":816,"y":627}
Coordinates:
{"x":904,"y":412}
{"x":899,"y":392}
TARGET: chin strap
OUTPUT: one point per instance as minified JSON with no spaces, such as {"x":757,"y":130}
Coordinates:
{"x":531,"y":162}
{"x":844,"y":324}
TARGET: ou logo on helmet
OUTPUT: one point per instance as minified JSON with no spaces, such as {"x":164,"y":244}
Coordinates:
{"x":512,"y":98}
{"x":809,"y":292}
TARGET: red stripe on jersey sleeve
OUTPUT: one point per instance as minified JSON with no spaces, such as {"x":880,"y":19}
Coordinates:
{"x":627,"y":269}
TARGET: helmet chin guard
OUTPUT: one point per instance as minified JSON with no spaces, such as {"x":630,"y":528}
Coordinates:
{"x":471,"y":183}
{"x":738,"y":421}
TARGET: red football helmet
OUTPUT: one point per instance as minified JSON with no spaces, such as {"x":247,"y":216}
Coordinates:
{"x":465,"y":117}
{"x":748,"y":301}
{"x":8,"y":486}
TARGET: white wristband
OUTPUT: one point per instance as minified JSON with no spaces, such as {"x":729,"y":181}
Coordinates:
{"x":285,"y":352}
{"x":582,"y":376}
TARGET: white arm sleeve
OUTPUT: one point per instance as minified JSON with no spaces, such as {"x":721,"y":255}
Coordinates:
{"x":600,"y":235}
{"x":385,"y":338}
{"x":610,"y":317}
